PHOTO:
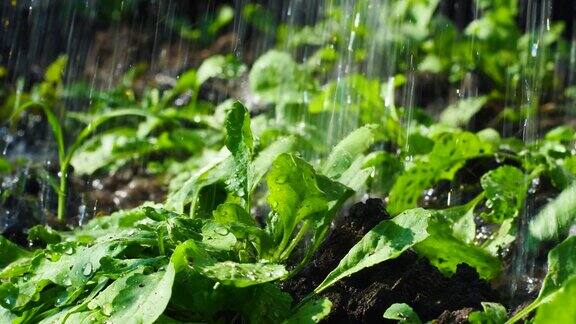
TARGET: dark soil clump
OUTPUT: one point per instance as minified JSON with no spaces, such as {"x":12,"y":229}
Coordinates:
{"x":409,"y":279}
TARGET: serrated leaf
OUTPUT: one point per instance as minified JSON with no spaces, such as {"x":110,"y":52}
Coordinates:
{"x":385,"y":241}
{"x":450,"y":152}
{"x":74,"y":268}
{"x":505,"y":189}
{"x":445,"y":251}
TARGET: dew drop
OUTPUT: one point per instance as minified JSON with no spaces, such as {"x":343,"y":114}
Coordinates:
{"x":87,"y":269}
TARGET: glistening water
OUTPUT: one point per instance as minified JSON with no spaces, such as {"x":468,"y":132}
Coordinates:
{"x":394,"y":47}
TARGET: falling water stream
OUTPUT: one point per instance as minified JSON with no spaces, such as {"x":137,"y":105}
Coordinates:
{"x":367,"y":35}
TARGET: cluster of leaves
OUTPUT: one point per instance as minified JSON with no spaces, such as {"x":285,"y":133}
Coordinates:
{"x":246,"y":206}
{"x":129,"y":262}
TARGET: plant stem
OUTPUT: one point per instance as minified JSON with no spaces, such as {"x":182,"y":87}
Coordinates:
{"x":295,"y":241}
{"x":524,"y":312}
{"x":62,"y":193}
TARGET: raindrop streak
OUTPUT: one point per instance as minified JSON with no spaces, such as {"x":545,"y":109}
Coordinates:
{"x":538,"y":14}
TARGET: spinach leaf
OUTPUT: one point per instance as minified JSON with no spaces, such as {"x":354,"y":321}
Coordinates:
{"x":445,"y":251}
{"x":220,"y":66}
{"x":403,"y":313}
{"x":505,"y":189}
{"x":241,"y":274}
{"x":144,"y":298}
{"x":298,"y":195}
{"x":5,"y":315}
{"x":10,"y":252}
{"x":276,"y":77}
{"x":311,"y":312}
{"x":385,"y":241}
{"x":561,"y":271}
{"x":73,"y":268}
{"x":556,"y":216}
{"x":240,"y":143}
{"x":561,"y":308}
{"x":460,"y":113}
{"x":450,"y":152}
{"x":493,"y":313}
{"x":348,"y":150}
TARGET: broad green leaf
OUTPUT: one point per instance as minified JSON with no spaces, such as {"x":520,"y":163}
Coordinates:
{"x":215,"y":171}
{"x":101,"y":151}
{"x":561,"y":308}
{"x":403,"y":313}
{"x":311,"y":312}
{"x":79,"y":313}
{"x":493,"y":313}
{"x":74,"y":268}
{"x":276,"y":77}
{"x":187,"y":81}
{"x":144,"y":298}
{"x":103,"y":301}
{"x":10,"y":252}
{"x":266,"y":157}
{"x":445,"y":251}
{"x":348,"y":150}
{"x":505,"y":189}
{"x":266,"y":304}
{"x":351,"y":96}
{"x":459,"y":221}
{"x":240,"y":143}
{"x":460,"y":113}
{"x":241,"y":274}
{"x":80,"y":317}
{"x":450,"y":152}
{"x":6,"y":316}
{"x":561,"y":269}
{"x":101,"y":227}
{"x":561,"y":266}
{"x":228,"y":273}
{"x":556,"y":216}
{"x":44,"y":234}
{"x":298,"y":194}
{"x":501,"y":239}
{"x":385,"y":241}
{"x":360,"y":171}
{"x":228,"y":213}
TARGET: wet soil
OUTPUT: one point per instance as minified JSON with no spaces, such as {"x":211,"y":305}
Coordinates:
{"x":125,"y":189}
{"x":30,"y":201}
{"x":409,"y":279}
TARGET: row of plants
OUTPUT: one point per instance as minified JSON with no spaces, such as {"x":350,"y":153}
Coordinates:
{"x":252,"y":195}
